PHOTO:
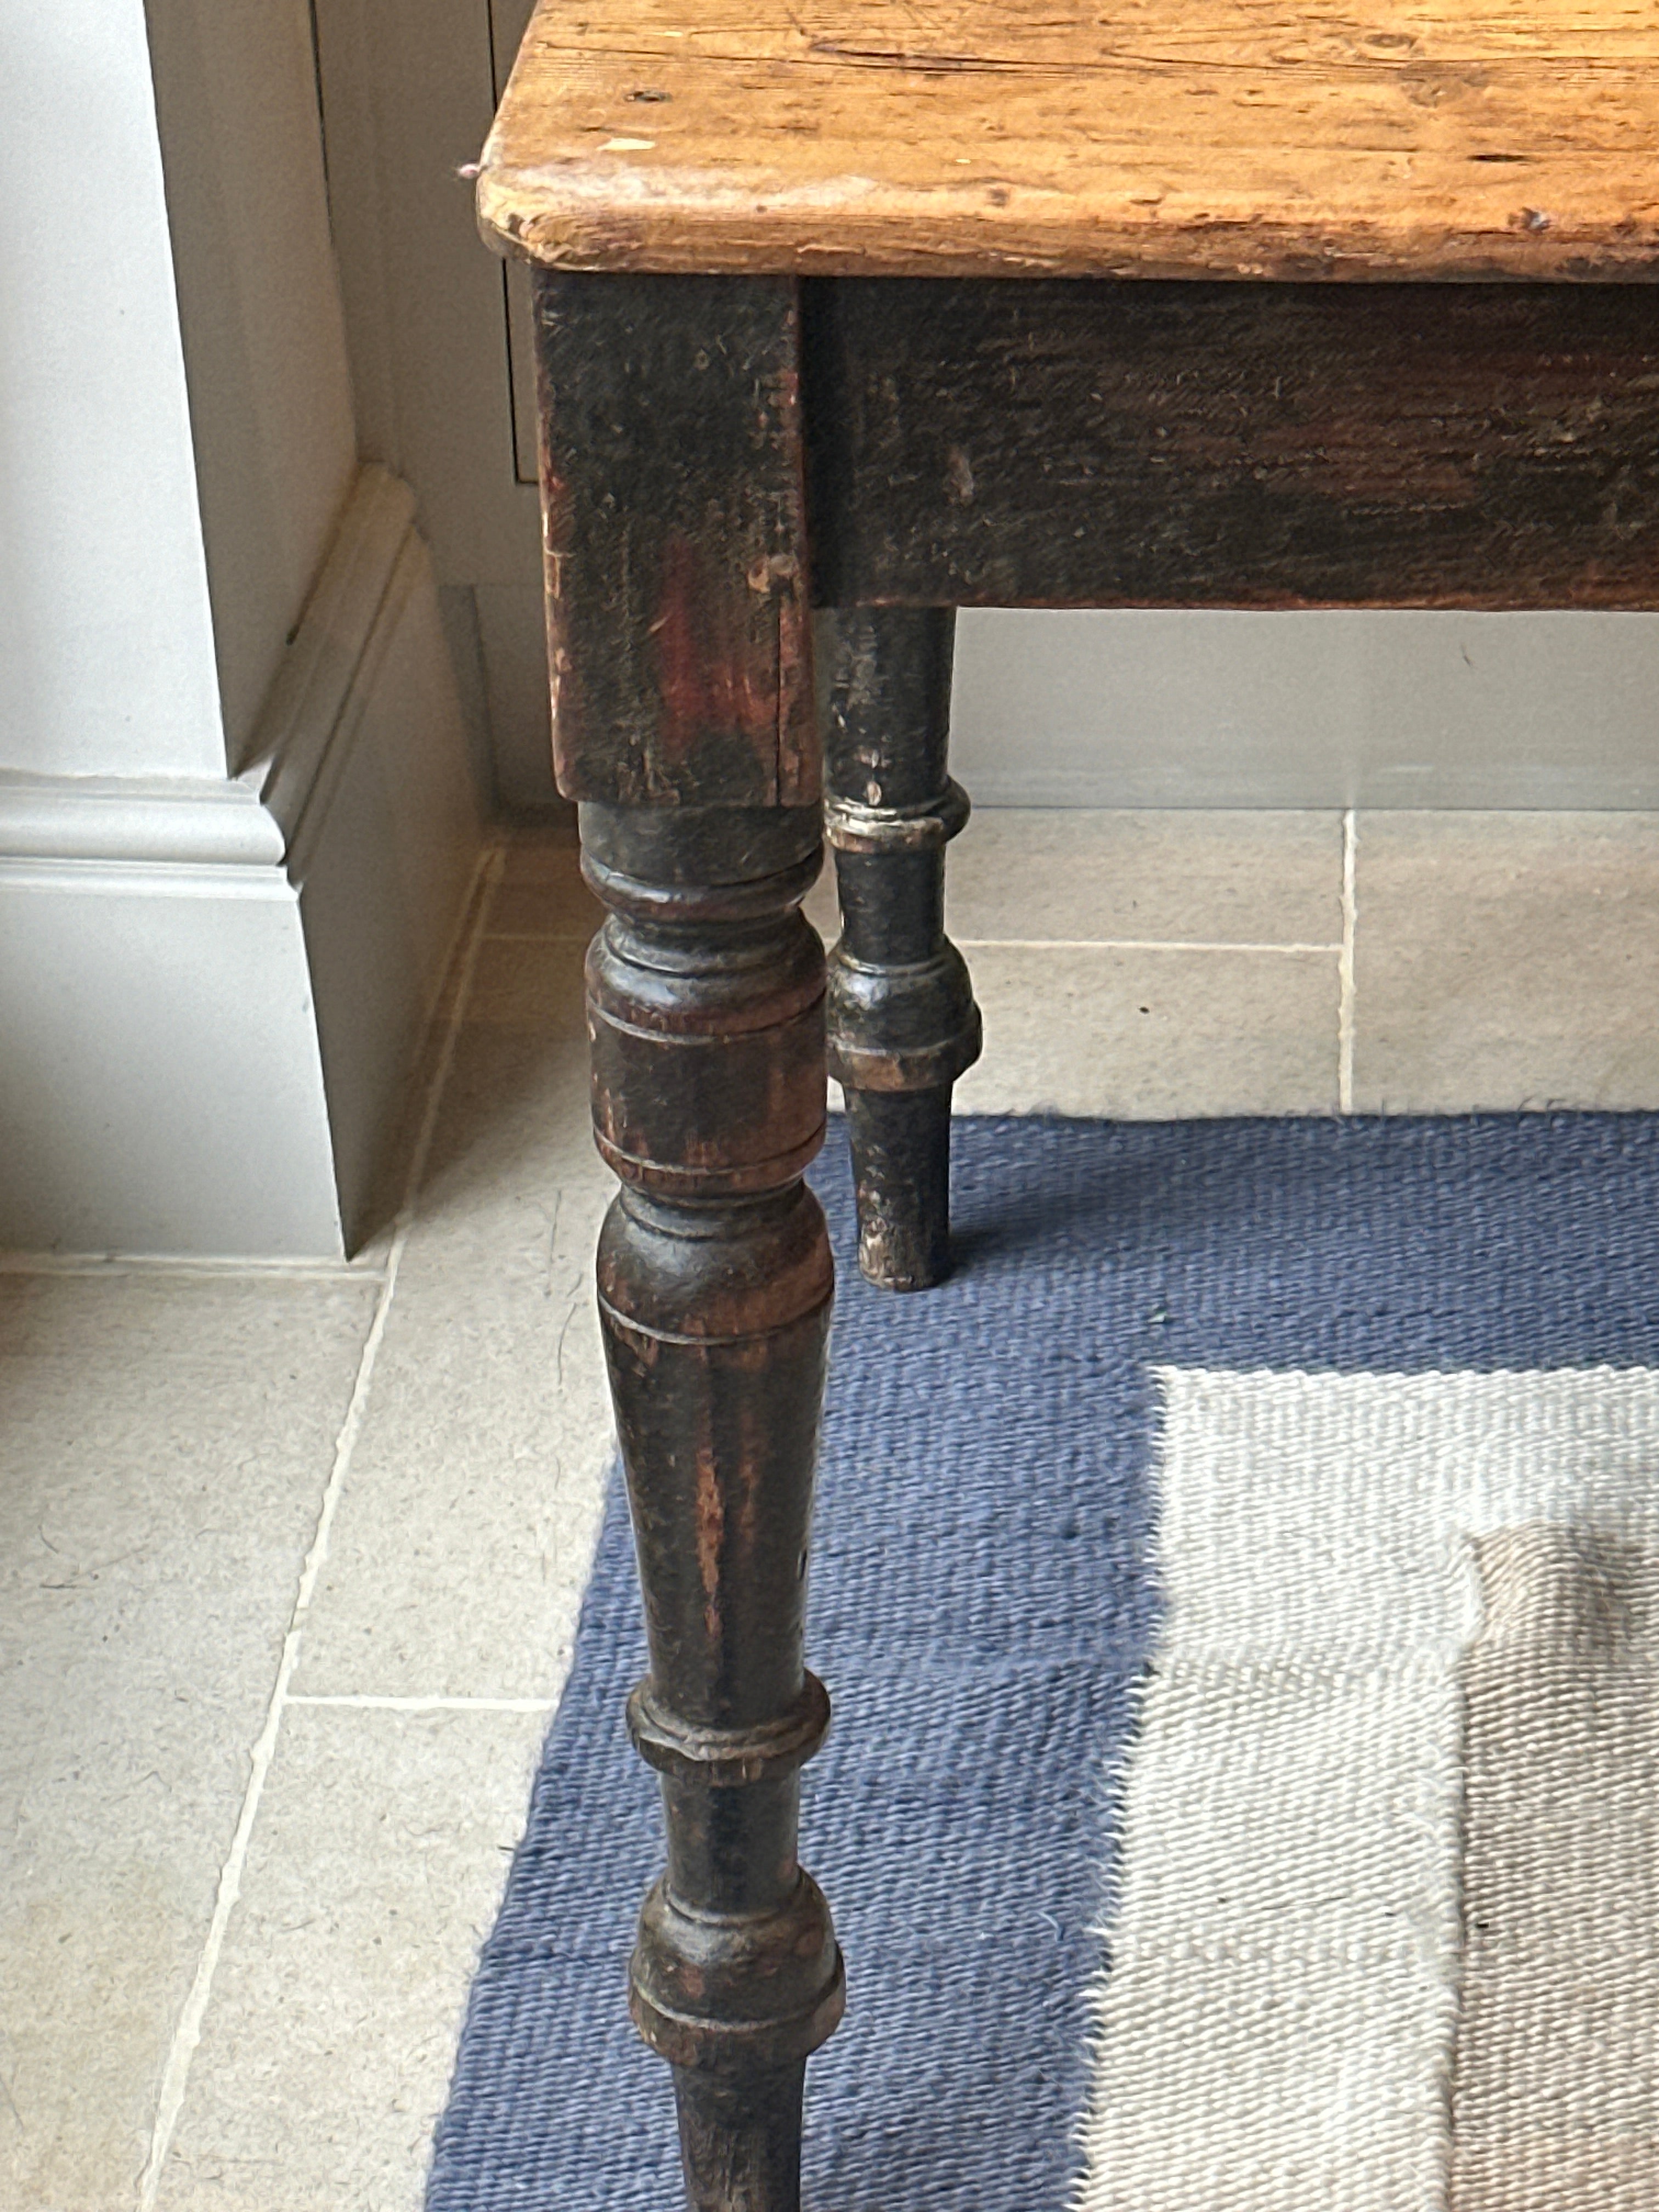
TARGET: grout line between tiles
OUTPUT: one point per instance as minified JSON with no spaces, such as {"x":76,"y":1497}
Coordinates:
{"x":187,"y":2033}
{"x":1345,"y":1016}
{"x":1127,"y":944}
{"x":106,"y":1264}
{"x":474,"y":917}
{"x":369,"y":1702}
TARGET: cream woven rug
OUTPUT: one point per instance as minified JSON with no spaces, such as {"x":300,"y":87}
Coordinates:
{"x":1386,"y":1929}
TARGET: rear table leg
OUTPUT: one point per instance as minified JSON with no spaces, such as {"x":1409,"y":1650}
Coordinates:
{"x":902,"y":1021}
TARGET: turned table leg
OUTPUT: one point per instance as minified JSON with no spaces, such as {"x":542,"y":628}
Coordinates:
{"x":902,"y":1021}
{"x":705,"y":1013}
{"x":677,"y":560}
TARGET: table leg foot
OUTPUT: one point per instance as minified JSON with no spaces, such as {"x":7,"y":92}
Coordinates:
{"x":902,"y":1018}
{"x":740,"y":2141}
{"x":901,"y":1142}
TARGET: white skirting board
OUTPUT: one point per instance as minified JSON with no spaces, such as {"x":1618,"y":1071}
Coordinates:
{"x":210,"y":992}
{"x":1329,"y":709}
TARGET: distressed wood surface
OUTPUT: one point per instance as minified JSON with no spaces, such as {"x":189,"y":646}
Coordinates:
{"x":1205,"y":444}
{"x":674,"y":535}
{"x":1229,"y":137}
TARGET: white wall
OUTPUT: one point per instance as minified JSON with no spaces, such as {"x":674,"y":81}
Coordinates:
{"x":264,"y":336}
{"x":1320,"y":709}
{"x":211,"y":983}
{"x":106,"y":642}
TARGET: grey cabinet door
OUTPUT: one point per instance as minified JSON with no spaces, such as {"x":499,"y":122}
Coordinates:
{"x":437,"y":329}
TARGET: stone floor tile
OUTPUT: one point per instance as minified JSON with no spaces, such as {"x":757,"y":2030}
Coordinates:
{"x":373,"y":1876}
{"x":1020,"y":875}
{"x":1147,"y":1035}
{"x":1506,"y":961}
{"x":532,"y":850}
{"x":468,"y":1515}
{"x":469,"y":1512}
{"x":542,"y":894}
{"x":165,"y":1441}
{"x":819,"y":906}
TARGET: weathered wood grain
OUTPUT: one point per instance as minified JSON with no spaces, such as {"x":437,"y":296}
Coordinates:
{"x":1229,"y":137}
{"x":674,"y":533}
{"x":1208,"y":444}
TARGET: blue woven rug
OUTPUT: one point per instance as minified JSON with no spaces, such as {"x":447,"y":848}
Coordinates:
{"x":1151,"y":1328}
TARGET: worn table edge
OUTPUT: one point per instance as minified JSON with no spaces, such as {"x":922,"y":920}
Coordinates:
{"x":589,"y":218}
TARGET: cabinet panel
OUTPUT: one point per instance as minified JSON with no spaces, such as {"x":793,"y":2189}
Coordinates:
{"x":507,"y":20}
{"x":409,"y":88}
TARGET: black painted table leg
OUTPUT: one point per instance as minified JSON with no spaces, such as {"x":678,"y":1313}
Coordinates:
{"x":706,"y":1012}
{"x":902,"y":1021}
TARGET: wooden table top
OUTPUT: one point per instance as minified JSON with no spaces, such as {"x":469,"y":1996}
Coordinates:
{"x":1454,"y":138}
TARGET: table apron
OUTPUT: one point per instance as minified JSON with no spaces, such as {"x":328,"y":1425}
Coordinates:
{"x":1136,"y":443}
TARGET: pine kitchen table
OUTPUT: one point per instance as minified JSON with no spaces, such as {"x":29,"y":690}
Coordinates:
{"x":847,"y":315}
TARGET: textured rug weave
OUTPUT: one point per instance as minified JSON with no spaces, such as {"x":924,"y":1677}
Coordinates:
{"x":1239,"y":1587}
